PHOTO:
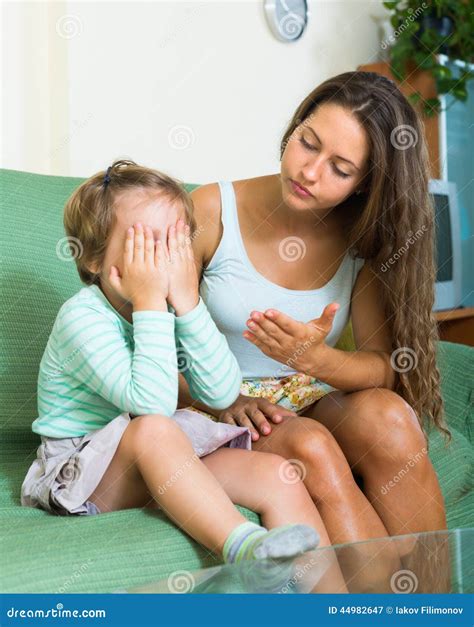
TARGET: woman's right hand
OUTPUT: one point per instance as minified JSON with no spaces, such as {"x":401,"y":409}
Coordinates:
{"x":144,"y":278}
{"x":254,"y":413}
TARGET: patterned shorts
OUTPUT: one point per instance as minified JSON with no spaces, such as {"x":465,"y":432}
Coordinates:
{"x":295,"y":392}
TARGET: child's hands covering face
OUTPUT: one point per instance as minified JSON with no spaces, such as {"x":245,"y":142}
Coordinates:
{"x":144,"y":278}
{"x":183,"y":290}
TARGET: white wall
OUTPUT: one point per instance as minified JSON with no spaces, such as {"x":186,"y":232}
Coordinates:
{"x":199,"y":89}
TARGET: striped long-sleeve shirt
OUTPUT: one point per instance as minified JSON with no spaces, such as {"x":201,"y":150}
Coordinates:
{"x":97,"y":365}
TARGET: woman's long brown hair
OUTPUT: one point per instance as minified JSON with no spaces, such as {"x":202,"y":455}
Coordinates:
{"x":392,"y":226}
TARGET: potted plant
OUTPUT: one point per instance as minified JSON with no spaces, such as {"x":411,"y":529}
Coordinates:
{"x":424,"y":31}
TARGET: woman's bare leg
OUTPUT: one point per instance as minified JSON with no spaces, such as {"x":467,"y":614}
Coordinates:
{"x":347,"y":514}
{"x":381,"y":438}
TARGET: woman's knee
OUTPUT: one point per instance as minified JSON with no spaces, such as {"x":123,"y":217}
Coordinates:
{"x":319,"y":461}
{"x":386,"y":427}
{"x":313,"y":444}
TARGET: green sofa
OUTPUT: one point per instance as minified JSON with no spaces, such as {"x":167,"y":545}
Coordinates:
{"x":45,"y":553}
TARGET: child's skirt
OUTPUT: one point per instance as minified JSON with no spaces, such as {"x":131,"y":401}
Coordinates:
{"x":66,"y":471}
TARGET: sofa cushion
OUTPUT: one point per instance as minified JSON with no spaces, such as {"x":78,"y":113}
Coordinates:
{"x":121,"y":549}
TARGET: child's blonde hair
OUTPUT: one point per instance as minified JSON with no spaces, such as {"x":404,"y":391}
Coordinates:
{"x":89,"y":213}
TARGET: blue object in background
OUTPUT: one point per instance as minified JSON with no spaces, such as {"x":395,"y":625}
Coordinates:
{"x":459,"y":119}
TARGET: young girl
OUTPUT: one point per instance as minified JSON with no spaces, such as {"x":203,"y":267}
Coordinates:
{"x":108,"y":383}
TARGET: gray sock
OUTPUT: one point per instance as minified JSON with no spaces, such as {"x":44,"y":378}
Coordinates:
{"x":249,"y":541}
{"x":286,"y":541}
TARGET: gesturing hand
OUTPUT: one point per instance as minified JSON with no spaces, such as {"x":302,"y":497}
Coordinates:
{"x":288,"y":341}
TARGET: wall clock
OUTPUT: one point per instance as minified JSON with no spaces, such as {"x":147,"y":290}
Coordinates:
{"x":287,"y":18}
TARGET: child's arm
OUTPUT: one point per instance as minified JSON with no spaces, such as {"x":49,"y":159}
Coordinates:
{"x":140,"y":379}
{"x":93,"y":351}
{"x":205,"y":360}
{"x":204,"y":357}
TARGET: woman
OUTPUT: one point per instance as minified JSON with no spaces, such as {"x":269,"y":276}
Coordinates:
{"x":353,"y":186}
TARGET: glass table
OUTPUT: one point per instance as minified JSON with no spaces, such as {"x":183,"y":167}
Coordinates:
{"x":434,"y":562}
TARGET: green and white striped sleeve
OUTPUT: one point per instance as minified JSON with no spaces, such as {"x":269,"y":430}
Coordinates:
{"x":94,"y":352}
{"x":205,"y":360}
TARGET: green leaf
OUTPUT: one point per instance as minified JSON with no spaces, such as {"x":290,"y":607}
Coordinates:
{"x":395,"y":21}
{"x":423,"y":59}
{"x":432,"y":106}
{"x":444,"y":86}
{"x":441,"y":71}
{"x":415,"y":97}
{"x":460,"y":92}
{"x":431,"y":102}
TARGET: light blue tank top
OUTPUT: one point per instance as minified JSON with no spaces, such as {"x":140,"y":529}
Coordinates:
{"x":231,"y":288}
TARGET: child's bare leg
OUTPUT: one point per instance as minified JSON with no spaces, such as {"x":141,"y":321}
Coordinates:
{"x":256,"y":480}
{"x":262,"y":482}
{"x":156,"y":458}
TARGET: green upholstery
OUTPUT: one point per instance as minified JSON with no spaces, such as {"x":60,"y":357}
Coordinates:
{"x":43,"y":553}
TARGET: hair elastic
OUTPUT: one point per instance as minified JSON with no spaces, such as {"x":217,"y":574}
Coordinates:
{"x":107,"y":177}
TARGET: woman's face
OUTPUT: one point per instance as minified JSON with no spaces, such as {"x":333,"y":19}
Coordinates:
{"x":325,"y":160}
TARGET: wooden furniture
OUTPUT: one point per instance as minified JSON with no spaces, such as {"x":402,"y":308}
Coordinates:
{"x":456,"y":325}
{"x":423,"y":82}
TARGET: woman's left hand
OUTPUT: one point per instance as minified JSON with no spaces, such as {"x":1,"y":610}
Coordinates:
{"x":288,"y":341}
